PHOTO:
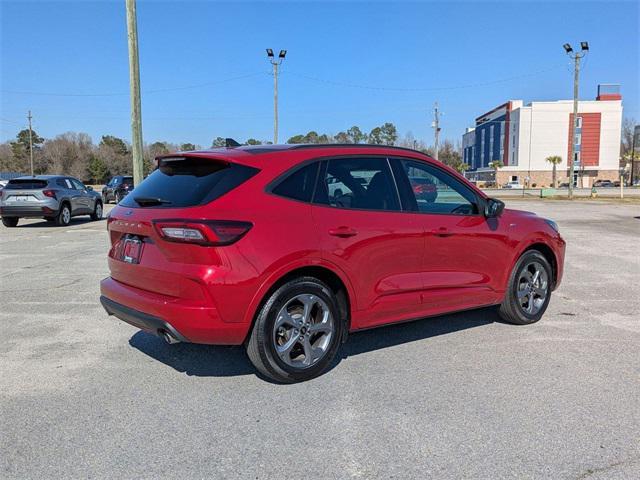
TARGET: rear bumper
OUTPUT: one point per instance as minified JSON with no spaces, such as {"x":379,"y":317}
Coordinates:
{"x":138,"y":319}
{"x":186,"y":320}
{"x":27,"y":211}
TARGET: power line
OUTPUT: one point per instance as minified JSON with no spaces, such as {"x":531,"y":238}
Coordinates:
{"x":157,"y":90}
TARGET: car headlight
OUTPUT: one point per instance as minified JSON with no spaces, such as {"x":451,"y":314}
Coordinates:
{"x":552,"y":224}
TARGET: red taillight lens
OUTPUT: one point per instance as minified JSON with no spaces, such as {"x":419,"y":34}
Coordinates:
{"x":202,"y":232}
{"x":49,"y":193}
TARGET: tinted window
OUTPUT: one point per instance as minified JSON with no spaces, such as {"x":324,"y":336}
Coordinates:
{"x":185,"y":182}
{"x":428,"y":189}
{"x":26,"y":184}
{"x":127,"y":180}
{"x":361,"y":183}
{"x":299,"y":185}
{"x":61,"y":182}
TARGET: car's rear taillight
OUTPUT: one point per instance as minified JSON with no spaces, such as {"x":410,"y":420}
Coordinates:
{"x":202,"y":232}
{"x":49,"y":193}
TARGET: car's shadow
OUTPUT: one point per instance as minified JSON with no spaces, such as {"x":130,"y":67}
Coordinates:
{"x":74,"y":221}
{"x":225,"y":361}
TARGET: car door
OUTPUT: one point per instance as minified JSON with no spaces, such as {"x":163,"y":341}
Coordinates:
{"x":363,"y":232}
{"x":85,"y":196}
{"x":466,"y":254}
{"x":78,"y":202}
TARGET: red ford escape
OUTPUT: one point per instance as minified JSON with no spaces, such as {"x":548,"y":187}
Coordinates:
{"x":288,"y":248}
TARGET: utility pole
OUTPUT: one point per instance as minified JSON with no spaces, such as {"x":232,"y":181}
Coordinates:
{"x":436,"y":127}
{"x":30,"y":142}
{"x":134,"y":85}
{"x":636,"y":133}
{"x":276,"y":63}
{"x":576,"y":56}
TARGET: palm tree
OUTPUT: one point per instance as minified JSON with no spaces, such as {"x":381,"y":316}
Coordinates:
{"x":554,"y":160}
{"x":496,"y":164}
{"x":462,"y":167}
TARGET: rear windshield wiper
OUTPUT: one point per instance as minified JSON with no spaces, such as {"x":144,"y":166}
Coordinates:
{"x":149,"y":201}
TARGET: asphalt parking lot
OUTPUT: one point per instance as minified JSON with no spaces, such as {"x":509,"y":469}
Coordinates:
{"x":459,"y":396}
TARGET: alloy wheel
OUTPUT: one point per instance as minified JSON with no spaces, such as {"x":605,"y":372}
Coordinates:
{"x":533,"y":288}
{"x":303,"y":331}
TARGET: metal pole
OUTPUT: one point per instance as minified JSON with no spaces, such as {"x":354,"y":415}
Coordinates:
{"x":30,"y":143}
{"x":636,"y":132}
{"x":134,"y":84}
{"x":572,"y":137}
{"x":275,"y":102}
{"x":436,"y":125}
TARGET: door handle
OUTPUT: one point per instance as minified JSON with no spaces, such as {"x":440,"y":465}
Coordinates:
{"x":343,"y":232}
{"x":441,"y":232}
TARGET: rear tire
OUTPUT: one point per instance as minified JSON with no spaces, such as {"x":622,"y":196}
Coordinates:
{"x":97,"y":212}
{"x":64,"y":216}
{"x":297,"y":332}
{"x":529,"y":290}
{"x":10,"y":221}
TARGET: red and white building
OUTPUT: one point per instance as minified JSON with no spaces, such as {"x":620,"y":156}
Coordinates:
{"x":523,"y":136}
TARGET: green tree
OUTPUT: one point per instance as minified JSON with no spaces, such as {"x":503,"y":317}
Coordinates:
{"x":187,"y":147}
{"x":343,"y":137}
{"x":375,"y":136}
{"x":97,"y":169}
{"x":117,"y":145}
{"x":355,"y":135}
{"x":296,"y":139}
{"x":554,"y":160}
{"x":449,"y":155}
{"x":462,"y":167}
{"x":21,"y":149}
{"x":386,"y":134}
{"x":219,"y":142}
{"x":496,"y":164}
{"x":253,"y":141}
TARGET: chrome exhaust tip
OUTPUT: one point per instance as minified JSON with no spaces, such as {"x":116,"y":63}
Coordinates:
{"x":166,"y":336}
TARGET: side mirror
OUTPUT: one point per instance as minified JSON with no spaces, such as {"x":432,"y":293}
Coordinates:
{"x":89,"y":188}
{"x":493,"y":208}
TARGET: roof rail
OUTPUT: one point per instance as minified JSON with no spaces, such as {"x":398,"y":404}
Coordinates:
{"x":361,"y":145}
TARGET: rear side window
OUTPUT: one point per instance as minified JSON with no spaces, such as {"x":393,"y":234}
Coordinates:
{"x":26,"y":184}
{"x":300,"y":184}
{"x":127,"y":181}
{"x":187,"y":182}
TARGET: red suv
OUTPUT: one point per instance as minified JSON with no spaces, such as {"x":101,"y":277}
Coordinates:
{"x":287,"y":249}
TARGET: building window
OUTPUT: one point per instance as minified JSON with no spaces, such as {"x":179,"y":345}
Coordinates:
{"x":578,"y":122}
{"x":578,"y":139}
{"x":491,"y":151}
{"x":483,"y":136}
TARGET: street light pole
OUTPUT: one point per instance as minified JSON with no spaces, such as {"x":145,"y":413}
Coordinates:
{"x":276,"y":63}
{"x":576,"y":56}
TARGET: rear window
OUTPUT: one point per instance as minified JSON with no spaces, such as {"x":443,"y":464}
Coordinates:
{"x":26,"y":184}
{"x":186,"y":182}
{"x":127,"y":180}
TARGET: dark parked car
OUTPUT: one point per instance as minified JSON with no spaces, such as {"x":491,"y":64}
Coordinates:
{"x":258,"y":246}
{"x":117,"y":188}
{"x":603,"y":183}
{"x":56,"y":198}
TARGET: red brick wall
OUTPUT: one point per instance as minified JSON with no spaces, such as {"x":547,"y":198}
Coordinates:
{"x":590,"y":150}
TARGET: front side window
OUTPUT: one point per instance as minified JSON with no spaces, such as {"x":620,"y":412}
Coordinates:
{"x":428,"y":189}
{"x":77,"y":184}
{"x":358,"y":183}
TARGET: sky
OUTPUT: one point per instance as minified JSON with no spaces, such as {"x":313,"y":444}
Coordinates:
{"x":204,"y":71}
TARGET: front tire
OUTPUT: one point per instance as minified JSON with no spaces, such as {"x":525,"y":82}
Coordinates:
{"x":10,"y":221}
{"x":297,"y":332}
{"x":64,"y":216}
{"x":97,"y":212}
{"x":529,"y":290}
